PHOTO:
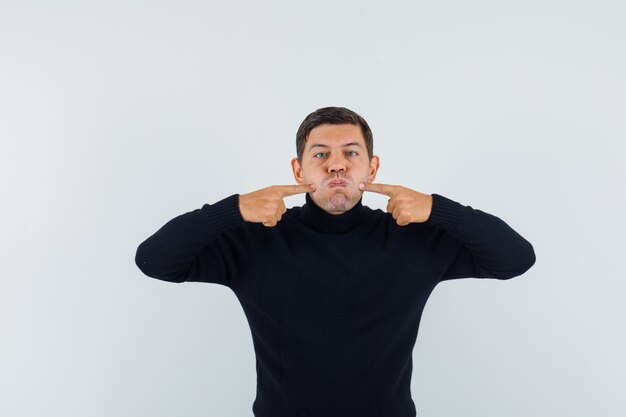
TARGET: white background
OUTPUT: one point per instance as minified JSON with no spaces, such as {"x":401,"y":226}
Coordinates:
{"x":118,"y":116}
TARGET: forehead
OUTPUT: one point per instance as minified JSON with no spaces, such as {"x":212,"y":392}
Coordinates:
{"x":335,"y":135}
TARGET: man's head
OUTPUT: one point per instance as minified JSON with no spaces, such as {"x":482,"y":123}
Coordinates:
{"x":335,"y":152}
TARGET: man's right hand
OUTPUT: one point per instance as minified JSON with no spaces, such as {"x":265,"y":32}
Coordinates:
{"x":266,"y":205}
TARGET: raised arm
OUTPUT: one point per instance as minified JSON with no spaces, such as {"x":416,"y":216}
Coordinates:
{"x":468,"y":242}
{"x":207,"y":244}
{"x":465,"y":242}
{"x":197,"y":246}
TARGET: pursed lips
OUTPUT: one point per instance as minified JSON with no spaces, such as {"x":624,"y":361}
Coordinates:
{"x":336,"y":183}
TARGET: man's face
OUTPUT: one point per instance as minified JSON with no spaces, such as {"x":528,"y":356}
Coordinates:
{"x":335,"y":159}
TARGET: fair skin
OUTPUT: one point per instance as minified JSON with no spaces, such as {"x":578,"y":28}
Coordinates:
{"x":335,"y":169}
{"x":332,"y":153}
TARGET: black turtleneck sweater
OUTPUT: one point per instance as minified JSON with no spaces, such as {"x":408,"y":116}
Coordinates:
{"x":333,"y":301}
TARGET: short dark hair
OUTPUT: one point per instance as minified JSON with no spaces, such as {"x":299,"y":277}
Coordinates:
{"x":334,"y":116}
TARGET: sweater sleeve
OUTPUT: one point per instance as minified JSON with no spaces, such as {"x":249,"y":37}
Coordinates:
{"x":468,"y":242}
{"x":197,"y":246}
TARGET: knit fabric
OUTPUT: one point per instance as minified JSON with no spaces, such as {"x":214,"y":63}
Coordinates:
{"x":333,"y":301}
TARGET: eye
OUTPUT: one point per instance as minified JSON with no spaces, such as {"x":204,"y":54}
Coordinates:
{"x":353,"y":152}
{"x":319,"y":153}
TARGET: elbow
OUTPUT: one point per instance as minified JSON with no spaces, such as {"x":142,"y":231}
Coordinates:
{"x":142,"y":260}
{"x":531,"y":257}
{"x":152,"y":269}
{"x":524,"y":260}
{"x":527,"y":258}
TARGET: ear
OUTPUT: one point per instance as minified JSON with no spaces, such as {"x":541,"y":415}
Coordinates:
{"x":374,"y":165}
{"x":297,"y":170}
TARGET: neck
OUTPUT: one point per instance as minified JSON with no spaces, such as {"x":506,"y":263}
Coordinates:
{"x":333,"y":222}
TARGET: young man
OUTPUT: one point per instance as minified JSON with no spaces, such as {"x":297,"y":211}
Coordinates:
{"x":333,"y":290}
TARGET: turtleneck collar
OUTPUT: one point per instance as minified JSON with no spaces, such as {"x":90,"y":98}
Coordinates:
{"x":320,"y":220}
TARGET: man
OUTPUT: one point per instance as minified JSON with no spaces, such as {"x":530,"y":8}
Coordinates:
{"x":333,"y":291}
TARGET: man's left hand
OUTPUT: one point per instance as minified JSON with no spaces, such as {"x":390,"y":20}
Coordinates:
{"x":405,"y":205}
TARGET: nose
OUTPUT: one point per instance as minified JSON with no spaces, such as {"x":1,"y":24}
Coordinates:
{"x":336,"y":164}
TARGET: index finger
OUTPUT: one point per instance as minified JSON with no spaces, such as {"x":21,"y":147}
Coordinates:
{"x":287,"y":190}
{"x":385,"y":189}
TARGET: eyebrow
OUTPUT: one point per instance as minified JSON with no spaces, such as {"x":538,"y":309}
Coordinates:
{"x":344,"y":145}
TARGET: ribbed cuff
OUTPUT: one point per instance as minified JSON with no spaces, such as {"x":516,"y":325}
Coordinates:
{"x":223,"y":214}
{"x":446,"y":212}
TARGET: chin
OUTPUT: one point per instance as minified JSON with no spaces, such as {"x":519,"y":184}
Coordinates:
{"x":338,"y":202}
